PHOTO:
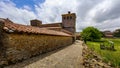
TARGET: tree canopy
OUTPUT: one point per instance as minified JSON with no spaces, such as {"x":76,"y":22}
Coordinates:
{"x":91,"y":34}
{"x":117,"y":33}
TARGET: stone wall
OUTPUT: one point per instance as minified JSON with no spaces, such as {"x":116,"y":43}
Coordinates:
{"x":2,"y":43}
{"x":23,"y":46}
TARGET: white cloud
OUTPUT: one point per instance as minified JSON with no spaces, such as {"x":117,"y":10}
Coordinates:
{"x":26,"y":7}
{"x":50,"y":11}
{"x":19,"y":15}
{"x":103,"y":14}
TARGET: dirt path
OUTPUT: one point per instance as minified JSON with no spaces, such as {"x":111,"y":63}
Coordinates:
{"x":68,"y":57}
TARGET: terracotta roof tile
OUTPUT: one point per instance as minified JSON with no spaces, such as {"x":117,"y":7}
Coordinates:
{"x":68,"y":32}
{"x":30,"y":29}
{"x":51,"y":25}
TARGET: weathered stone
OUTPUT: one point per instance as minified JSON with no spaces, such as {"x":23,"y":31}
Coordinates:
{"x":109,"y":63}
{"x":23,"y":46}
{"x":100,"y":64}
{"x":111,"y":47}
{"x":92,"y":60}
{"x":3,"y":62}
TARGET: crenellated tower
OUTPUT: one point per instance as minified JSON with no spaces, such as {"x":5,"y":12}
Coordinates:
{"x":69,"y":22}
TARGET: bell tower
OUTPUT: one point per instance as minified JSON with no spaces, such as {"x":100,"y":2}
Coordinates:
{"x":69,"y":22}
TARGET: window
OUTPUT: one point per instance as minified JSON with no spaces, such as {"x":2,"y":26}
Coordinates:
{"x":64,"y":18}
{"x":67,"y":17}
{"x":70,"y":17}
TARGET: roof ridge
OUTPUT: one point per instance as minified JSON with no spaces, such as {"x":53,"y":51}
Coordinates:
{"x":14,"y":27}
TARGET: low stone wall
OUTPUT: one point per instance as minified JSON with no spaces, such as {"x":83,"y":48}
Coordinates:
{"x":93,"y":60}
{"x":23,"y":46}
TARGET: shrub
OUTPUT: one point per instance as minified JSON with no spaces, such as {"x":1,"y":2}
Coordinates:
{"x":91,"y":34}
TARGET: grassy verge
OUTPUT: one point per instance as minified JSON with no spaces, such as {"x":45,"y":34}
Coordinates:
{"x":107,"y":55}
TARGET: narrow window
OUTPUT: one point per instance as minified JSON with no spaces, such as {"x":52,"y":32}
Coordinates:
{"x":70,"y":17}
{"x":67,"y":17}
{"x":64,"y":18}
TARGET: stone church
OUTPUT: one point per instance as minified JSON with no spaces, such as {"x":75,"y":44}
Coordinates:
{"x":19,"y":42}
{"x":68,"y":23}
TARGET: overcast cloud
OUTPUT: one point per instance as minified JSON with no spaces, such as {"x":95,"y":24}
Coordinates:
{"x":103,"y":14}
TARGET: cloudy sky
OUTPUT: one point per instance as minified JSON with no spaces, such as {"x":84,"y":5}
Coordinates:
{"x":103,"y":14}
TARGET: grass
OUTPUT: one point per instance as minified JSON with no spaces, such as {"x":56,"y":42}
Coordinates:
{"x":107,"y":55}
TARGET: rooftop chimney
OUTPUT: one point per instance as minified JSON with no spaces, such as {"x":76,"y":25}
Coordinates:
{"x":35,"y":22}
{"x":69,"y":12}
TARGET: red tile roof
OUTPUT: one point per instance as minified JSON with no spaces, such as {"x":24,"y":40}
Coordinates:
{"x":51,"y":25}
{"x":68,"y":32}
{"x":53,"y":28}
{"x":12,"y":27}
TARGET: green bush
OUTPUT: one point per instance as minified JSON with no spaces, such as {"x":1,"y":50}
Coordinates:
{"x":91,"y":34}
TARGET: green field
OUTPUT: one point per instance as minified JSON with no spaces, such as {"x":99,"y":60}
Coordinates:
{"x":107,"y":55}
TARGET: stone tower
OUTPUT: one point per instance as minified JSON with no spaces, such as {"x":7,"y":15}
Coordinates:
{"x":35,"y":22}
{"x":69,"y":22}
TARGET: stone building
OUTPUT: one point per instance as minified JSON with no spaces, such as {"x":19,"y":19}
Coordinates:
{"x":24,"y":41}
{"x":108,"y":34}
{"x":68,"y":23}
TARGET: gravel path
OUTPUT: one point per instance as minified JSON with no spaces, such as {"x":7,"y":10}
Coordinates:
{"x":68,"y":57}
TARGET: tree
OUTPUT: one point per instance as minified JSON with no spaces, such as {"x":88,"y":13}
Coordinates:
{"x":117,"y":33}
{"x":91,"y":34}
